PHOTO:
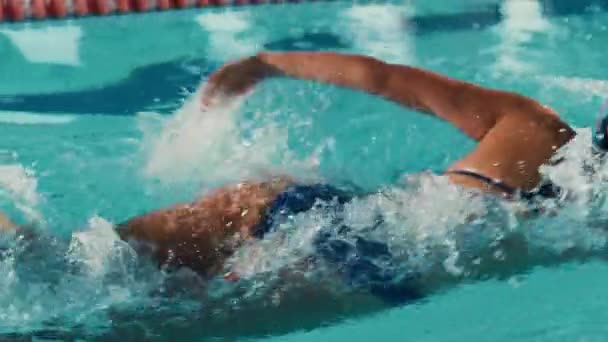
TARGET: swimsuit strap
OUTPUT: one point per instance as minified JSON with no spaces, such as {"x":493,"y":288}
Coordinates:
{"x":546,"y":190}
{"x":509,"y":190}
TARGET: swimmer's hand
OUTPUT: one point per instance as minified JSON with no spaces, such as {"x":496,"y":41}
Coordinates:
{"x":6,"y":226}
{"x":235,"y":79}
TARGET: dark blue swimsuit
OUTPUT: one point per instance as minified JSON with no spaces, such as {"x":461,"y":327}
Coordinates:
{"x":355,"y":261}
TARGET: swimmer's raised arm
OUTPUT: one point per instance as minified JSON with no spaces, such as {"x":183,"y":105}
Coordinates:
{"x":471,"y":108}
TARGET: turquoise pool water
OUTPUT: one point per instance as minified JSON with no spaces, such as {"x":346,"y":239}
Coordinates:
{"x":95,"y":127}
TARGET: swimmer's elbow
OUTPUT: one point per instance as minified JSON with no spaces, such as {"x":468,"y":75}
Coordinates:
{"x":543,"y":115}
{"x":522,"y":104}
{"x":516,"y":102}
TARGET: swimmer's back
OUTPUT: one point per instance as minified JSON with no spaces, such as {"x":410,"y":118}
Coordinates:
{"x":202,"y":234}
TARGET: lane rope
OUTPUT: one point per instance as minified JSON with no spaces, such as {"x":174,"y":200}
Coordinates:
{"x":20,"y":10}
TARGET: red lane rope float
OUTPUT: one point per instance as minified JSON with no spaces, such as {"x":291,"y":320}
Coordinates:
{"x":19,"y":10}
{"x":164,"y":4}
{"x":14,"y":10}
{"x":57,"y":8}
{"x":123,"y":6}
{"x":38,"y":9}
{"x":140,"y":5}
{"x":81,"y":7}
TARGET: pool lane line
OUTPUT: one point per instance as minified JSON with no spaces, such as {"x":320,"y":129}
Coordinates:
{"x":20,"y":10}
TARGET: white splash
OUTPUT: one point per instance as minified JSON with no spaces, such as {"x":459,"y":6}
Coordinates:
{"x":521,"y":20}
{"x":98,"y":275}
{"x":212,"y":145}
{"x":49,"y":44}
{"x":24,"y":118}
{"x":578,"y":85}
{"x":20,"y":186}
{"x":95,"y":246}
{"x":230,"y":34}
{"x":570,"y":173}
{"x":379,"y":31}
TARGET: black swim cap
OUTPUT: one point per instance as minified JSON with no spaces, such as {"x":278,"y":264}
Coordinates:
{"x":600,"y":136}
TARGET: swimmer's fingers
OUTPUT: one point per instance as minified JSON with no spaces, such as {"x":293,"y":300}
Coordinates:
{"x":235,"y":79}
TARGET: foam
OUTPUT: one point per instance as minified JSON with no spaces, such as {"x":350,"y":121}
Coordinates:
{"x":578,"y":85}
{"x":49,"y":44}
{"x":230,"y":34}
{"x":217,"y":145}
{"x":24,"y":118}
{"x":521,"y":20}
{"x":378,"y":30}
{"x":19,"y":185}
{"x":37,"y":286}
{"x":95,"y":246}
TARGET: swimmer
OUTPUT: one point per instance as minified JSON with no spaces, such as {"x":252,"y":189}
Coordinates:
{"x":515,"y":135}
